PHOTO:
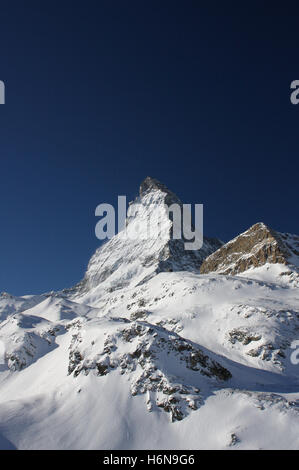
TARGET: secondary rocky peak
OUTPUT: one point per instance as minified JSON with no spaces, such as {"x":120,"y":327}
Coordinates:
{"x":255,"y":247}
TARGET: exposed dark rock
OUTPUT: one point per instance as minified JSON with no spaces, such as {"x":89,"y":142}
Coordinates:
{"x":145,"y":363}
{"x":242,"y":336}
{"x":234,"y":440}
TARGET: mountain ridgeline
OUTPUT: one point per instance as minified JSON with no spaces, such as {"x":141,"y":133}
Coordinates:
{"x":142,"y":258}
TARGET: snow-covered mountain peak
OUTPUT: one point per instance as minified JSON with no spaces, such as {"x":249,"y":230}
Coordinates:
{"x":145,"y":248}
{"x":150,"y":184}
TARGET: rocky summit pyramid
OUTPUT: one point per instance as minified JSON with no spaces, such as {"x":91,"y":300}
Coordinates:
{"x":124,"y":261}
{"x":255,"y":247}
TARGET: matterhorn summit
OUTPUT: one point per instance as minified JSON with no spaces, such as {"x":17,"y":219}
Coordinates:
{"x":130,"y":261}
{"x":158,"y":347}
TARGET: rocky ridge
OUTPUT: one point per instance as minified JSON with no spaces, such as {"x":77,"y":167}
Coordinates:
{"x":255,"y":247}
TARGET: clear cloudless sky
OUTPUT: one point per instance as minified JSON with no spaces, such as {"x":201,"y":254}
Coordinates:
{"x":101,"y":94}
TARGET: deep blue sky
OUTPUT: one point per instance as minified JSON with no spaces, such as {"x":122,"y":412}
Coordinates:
{"x":101,"y":94}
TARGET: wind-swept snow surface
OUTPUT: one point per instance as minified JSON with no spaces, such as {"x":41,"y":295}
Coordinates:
{"x":146,"y":352}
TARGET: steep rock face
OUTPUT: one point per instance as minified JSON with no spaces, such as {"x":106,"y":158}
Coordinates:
{"x":136,"y":257}
{"x":255,"y":247}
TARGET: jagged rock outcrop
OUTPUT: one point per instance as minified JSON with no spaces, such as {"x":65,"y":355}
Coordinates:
{"x":147,"y":355}
{"x":255,"y":247}
{"x":152,"y":184}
